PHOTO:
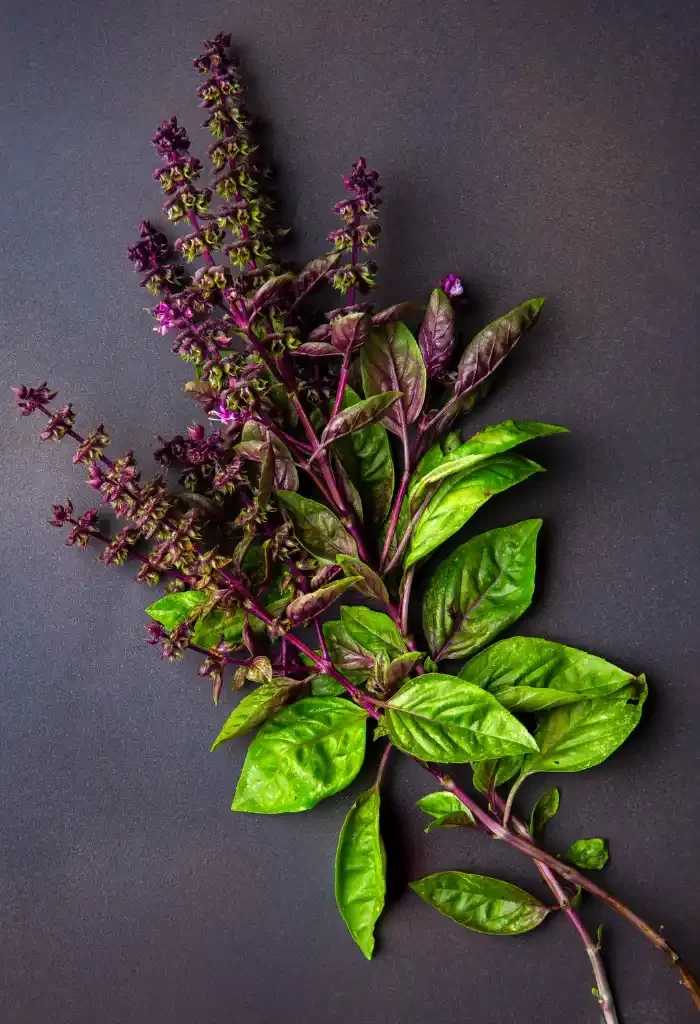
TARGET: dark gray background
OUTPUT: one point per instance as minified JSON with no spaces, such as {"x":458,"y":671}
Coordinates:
{"x":541,"y":147}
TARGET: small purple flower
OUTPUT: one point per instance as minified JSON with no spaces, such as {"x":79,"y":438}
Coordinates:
{"x":30,"y":399}
{"x":156,"y":633}
{"x":363,"y":183}
{"x":170,"y":140}
{"x":61,"y":514}
{"x":226,"y":415}
{"x":452,"y":286}
{"x":59,"y":424}
{"x":96,"y":477}
{"x":172,"y":315}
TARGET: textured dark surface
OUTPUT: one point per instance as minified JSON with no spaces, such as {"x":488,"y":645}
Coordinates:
{"x":538,"y":147}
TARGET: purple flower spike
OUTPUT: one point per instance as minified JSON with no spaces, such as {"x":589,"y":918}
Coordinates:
{"x":170,"y":140}
{"x":452,"y":286}
{"x":31,"y":399}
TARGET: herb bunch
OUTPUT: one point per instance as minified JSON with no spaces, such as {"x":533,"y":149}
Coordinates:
{"x":331,"y":468}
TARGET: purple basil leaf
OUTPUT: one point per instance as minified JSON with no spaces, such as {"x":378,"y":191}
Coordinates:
{"x":307,"y":606}
{"x":349,"y":332}
{"x":316,"y":349}
{"x":313,"y":275}
{"x":272,"y":290}
{"x":398,"y":311}
{"x":491,"y":346}
{"x":437,"y":335}
{"x":392,"y":361}
{"x":363,"y":414}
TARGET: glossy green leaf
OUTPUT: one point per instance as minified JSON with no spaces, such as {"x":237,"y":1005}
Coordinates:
{"x":544,"y":810}
{"x":308,"y":606}
{"x":442,"y":718}
{"x":369,"y":584}
{"x":309,"y":751}
{"x":447,"y":810}
{"x":391,"y":361}
{"x":484,"y":586}
{"x":367,"y":457}
{"x":316,"y":528}
{"x":494,"y":772}
{"x":460,"y":496}
{"x":362,"y":414}
{"x":494,"y":440}
{"x":529,"y":674}
{"x":483,"y":904}
{"x":489,"y":348}
{"x":253,"y":710}
{"x":173,"y":609}
{"x":579,"y":736}
{"x":360,"y":870}
{"x":323,"y":685}
{"x":436,"y":337}
{"x":372,"y":630}
{"x":588,"y":854}
{"x":222,"y":622}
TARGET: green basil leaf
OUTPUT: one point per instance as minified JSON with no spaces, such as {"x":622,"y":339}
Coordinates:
{"x":309,"y":751}
{"x":442,"y":718}
{"x":494,"y":772}
{"x":544,"y":810}
{"x":174,"y":609}
{"x":316,"y":528}
{"x":326,"y":686}
{"x":366,"y":455}
{"x":253,"y":710}
{"x":580,"y":736}
{"x":460,"y":496}
{"x":391,"y":361}
{"x":373,"y":631}
{"x":483,"y":904}
{"x":369,"y":583}
{"x":530,"y":674}
{"x":494,"y":440}
{"x":484,"y":586}
{"x":489,"y":348}
{"x":362,"y":414}
{"x":436,"y":337}
{"x":447,"y":810}
{"x":346,"y":654}
{"x":222,"y":622}
{"x":308,"y":606}
{"x":589,"y":854}
{"x":360,"y":870}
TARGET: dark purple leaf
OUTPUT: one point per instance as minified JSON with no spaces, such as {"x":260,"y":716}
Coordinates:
{"x":437,"y":336}
{"x":398,"y":311}
{"x":272,"y":290}
{"x":392,"y":361}
{"x":307,"y":606}
{"x":349,"y":332}
{"x":313,"y":275}
{"x":491,"y":346}
{"x":316,"y":349}
{"x":362,"y":414}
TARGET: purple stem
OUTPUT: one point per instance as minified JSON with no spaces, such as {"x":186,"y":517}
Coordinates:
{"x":602,"y":985}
